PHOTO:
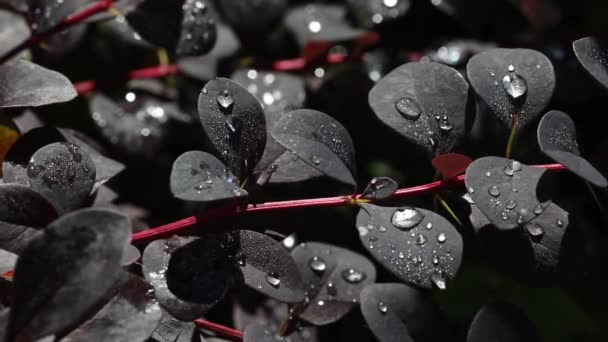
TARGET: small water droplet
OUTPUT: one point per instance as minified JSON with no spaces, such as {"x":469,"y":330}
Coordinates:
{"x":508,"y":171}
{"x":317,"y":264}
{"x":514,"y":85}
{"x":438,"y":280}
{"x":511,"y":205}
{"x":406,"y":218}
{"x":445,"y":126}
{"x":204,"y":91}
{"x":273,"y":279}
{"x":408,"y":108}
{"x":225,"y":99}
{"x":494,"y":191}
{"x":429,"y":226}
{"x":471,"y":190}
{"x":401,"y":255}
{"x":315,"y":160}
{"x":488,"y":173}
{"x":331,"y":289}
{"x":504,"y":216}
{"x":441,"y":238}
{"x":516,"y":166}
{"x":559,"y":223}
{"x":538,"y":210}
{"x":511,"y":68}
{"x":435,"y":261}
{"x":382,"y":307}
{"x":420,"y":240}
{"x":353,"y":276}
{"x":320,"y":303}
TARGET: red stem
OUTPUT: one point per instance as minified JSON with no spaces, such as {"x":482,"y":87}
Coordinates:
{"x":234,"y":209}
{"x":101,"y":6}
{"x":224,"y":331}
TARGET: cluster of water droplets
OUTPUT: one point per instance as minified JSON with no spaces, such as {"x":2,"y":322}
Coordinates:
{"x":563,"y":137}
{"x":198,"y":28}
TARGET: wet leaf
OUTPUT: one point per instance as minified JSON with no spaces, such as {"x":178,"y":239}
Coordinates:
{"x":130,"y":316}
{"x":557,"y":139}
{"x":62,"y":173}
{"x":186,"y":28}
{"x":77,"y":257}
{"x":239,"y":14}
{"x":513,"y":83}
{"x":380,"y":188}
{"x":157,"y":259}
{"x":451,"y":165}
{"x":418,"y":246}
{"x":425,"y":102}
{"x":320,"y":141}
{"x":505,"y":191}
{"x":48,"y":13}
{"x":233,"y":121}
{"x":13,"y":30}
{"x":199,"y":176}
{"x":592,"y":53}
{"x":333,"y":278}
{"x":277,"y":91}
{"x":504,"y":320}
{"x":397,"y":312}
{"x":25,"y":84}
{"x":21,"y":213}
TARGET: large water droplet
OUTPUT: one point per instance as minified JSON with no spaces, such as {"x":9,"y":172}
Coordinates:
{"x":225,"y":99}
{"x":534,"y":229}
{"x":441,"y":238}
{"x":408,"y":108}
{"x":273,"y":279}
{"x":317,"y":264}
{"x":494,"y":191}
{"x":438,"y":280}
{"x":382,"y":307}
{"x":514,"y":85}
{"x":406,"y":218}
{"x":353,"y":276}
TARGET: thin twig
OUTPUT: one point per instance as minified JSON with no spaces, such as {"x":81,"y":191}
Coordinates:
{"x":232,"y":209}
{"x":224,"y":331}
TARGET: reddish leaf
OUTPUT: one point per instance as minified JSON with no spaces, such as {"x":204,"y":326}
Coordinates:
{"x":451,"y":165}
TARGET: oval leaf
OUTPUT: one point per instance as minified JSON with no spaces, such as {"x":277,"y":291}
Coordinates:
{"x":64,"y":272}
{"x":505,"y":191}
{"x":516,"y":84}
{"x":25,"y":84}
{"x":592,"y":53}
{"x":504,"y":320}
{"x":397,"y":312}
{"x":13,"y":30}
{"x":199,"y":176}
{"x":557,"y":139}
{"x":62,"y":173}
{"x":233,"y":120}
{"x":426,"y":102}
{"x":320,"y":141}
{"x":417,"y":245}
{"x":333,"y":277}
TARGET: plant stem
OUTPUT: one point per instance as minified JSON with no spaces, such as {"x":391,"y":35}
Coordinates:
{"x":75,"y":19}
{"x":447,"y":208}
{"x":512,"y":136}
{"x":237,"y":209}
{"x":85,"y":87}
{"x":594,"y":196}
{"x":224,"y":331}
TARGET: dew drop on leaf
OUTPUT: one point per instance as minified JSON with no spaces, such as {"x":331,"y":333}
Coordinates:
{"x":353,"y":276}
{"x":408,"y":108}
{"x":406,"y":218}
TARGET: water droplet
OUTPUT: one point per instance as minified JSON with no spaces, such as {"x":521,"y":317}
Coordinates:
{"x":494,"y":191}
{"x":314,"y":26}
{"x":538,"y":210}
{"x":289,"y":242}
{"x":382,"y":229}
{"x":516,"y":166}
{"x":441,"y":238}
{"x":505,"y":217}
{"x":488,"y":173}
{"x":420,"y":240}
{"x":429,"y":226}
{"x":471,"y":190}
{"x":315,"y":160}
{"x":514,"y":85}
{"x":204,"y":91}
{"x":438,"y":280}
{"x":406,"y":218}
{"x":225,"y":99}
{"x":331,"y":289}
{"x":520,"y":219}
{"x":534,"y":229}
{"x":240,"y":259}
{"x":511,"y":68}
{"x":508,"y":171}
{"x":408,"y":108}
{"x":382,"y":307}
{"x":560,"y":223}
{"x":435,"y":261}
{"x":317,"y":264}
{"x":353,"y":276}
{"x":401,"y":255}
{"x":445,"y":126}
{"x":273,"y":279}
{"x":511,"y":205}
{"x":320,"y":303}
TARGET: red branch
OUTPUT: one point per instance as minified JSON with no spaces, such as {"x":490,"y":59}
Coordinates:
{"x":75,"y":19}
{"x":224,"y":331}
{"x":235,"y":209}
